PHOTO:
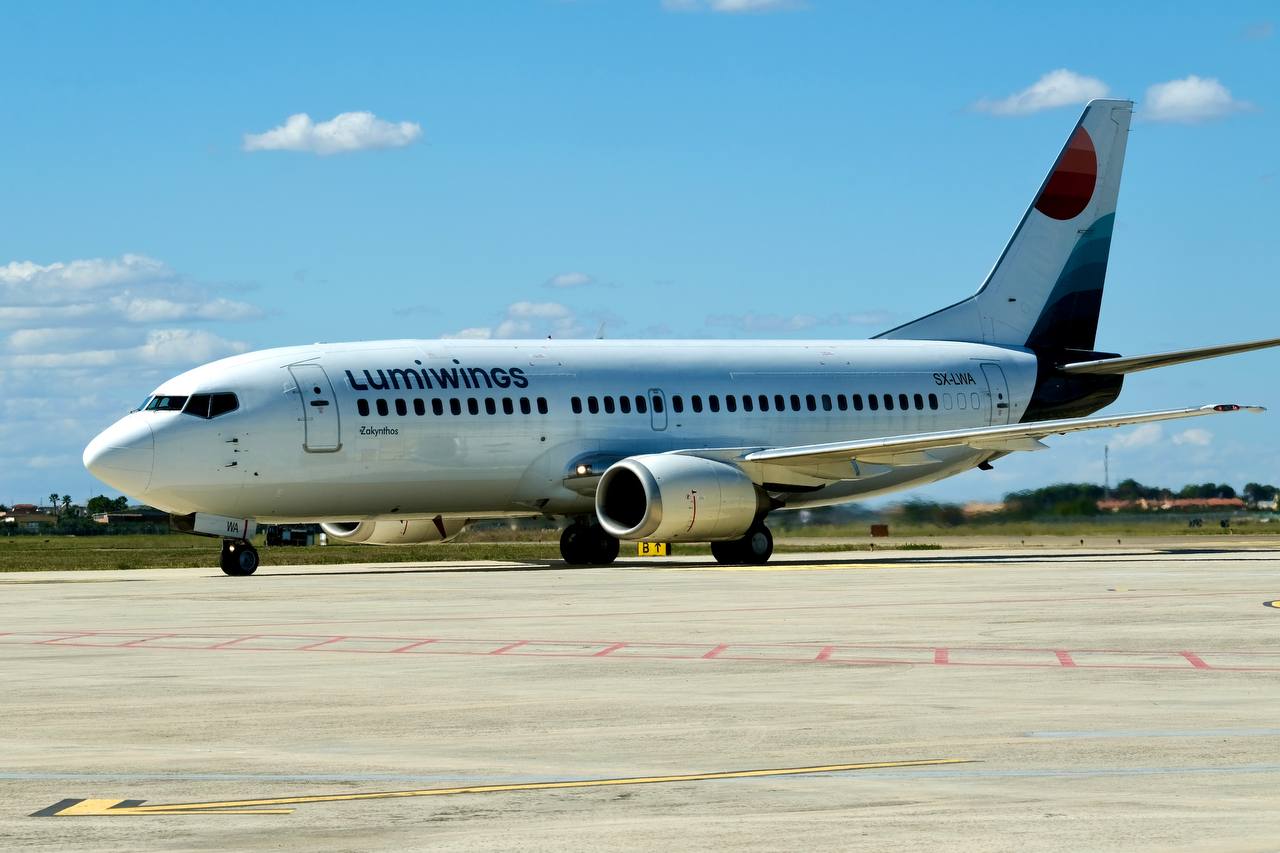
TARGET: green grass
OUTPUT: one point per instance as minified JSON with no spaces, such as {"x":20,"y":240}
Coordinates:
{"x":38,"y":553}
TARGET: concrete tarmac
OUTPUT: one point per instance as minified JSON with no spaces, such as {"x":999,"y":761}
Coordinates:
{"x":1121,"y":699}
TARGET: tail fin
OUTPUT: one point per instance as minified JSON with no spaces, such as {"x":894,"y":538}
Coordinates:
{"x":1045,"y":291}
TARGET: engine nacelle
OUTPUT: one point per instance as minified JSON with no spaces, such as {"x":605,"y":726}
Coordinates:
{"x":408,"y":531}
{"x":671,"y":497}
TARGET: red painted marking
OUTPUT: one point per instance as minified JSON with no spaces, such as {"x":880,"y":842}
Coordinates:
{"x":321,"y":643}
{"x":942,"y":656}
{"x":410,"y":646}
{"x":145,"y":640}
{"x":71,"y":636}
{"x":825,"y":653}
{"x":1070,"y":187}
{"x":1064,"y":658}
{"x":1195,"y":660}
{"x":507,"y":648}
{"x":229,"y":643}
{"x":610,"y":650}
{"x":715,"y":653}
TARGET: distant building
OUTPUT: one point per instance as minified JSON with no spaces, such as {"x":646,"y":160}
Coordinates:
{"x":133,"y":515}
{"x":1167,"y":504}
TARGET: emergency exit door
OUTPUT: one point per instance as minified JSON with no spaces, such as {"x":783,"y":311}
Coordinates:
{"x":322,"y":431}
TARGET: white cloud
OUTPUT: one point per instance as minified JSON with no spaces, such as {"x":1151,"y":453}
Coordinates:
{"x":1195,"y":437}
{"x":1142,"y":436}
{"x":356,"y":131}
{"x":1190,"y":100}
{"x":758,"y":323}
{"x":1059,"y":88}
{"x":529,"y":320}
{"x":570,"y":279}
{"x":731,"y":7}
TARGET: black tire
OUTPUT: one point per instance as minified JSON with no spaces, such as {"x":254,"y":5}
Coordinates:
{"x":575,"y":544}
{"x":727,"y":552}
{"x":757,"y":546}
{"x":239,"y":559}
{"x":606,"y":548}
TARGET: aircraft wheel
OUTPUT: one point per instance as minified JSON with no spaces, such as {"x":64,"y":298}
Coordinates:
{"x":575,"y":544}
{"x":606,"y":548}
{"x":239,"y":559}
{"x":726,"y":552}
{"x":757,"y":546}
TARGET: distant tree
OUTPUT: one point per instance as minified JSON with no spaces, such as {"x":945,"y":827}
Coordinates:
{"x":1255,"y":492}
{"x":53,"y":502}
{"x":100,"y":504}
{"x":66,"y":504}
{"x":120,"y":504}
{"x":931,"y":512}
{"x":1062,"y":499}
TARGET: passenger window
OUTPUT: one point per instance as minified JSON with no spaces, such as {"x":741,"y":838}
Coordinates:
{"x":642,"y":404}
{"x":198,"y":405}
{"x":542,"y":405}
{"x":576,"y":405}
{"x":473,"y":406}
{"x":419,"y":407}
{"x":903,"y":402}
{"x":873,"y":402}
{"x":402,"y":408}
{"x":933,"y":402}
{"x":842,"y":402}
{"x":382,"y":408}
{"x":657,"y":404}
{"x":747,"y":403}
{"x":810,"y":402}
{"x":490,"y":406}
{"x":795,"y":402}
{"x":362,"y":406}
{"x":437,"y":406}
{"x":779,"y":403}
{"x":731,"y":402}
{"x":697,"y":402}
{"x":973,"y":402}
{"x":525,"y":409}
{"x":763,"y":400}
{"x":857,"y":402}
{"x":826,"y":402}
{"x":962,"y":402}
{"x":608,"y":405}
{"x":677,"y":404}
{"x":624,"y":404}
{"x":508,"y":407}
{"x":713,"y":402}
{"x":888,"y":402}
{"x":946,"y":402}
{"x":593,"y":405}
{"x":919,"y":401}
{"x":455,"y":405}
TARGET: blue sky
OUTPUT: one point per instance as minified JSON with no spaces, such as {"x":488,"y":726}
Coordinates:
{"x":693,"y":168}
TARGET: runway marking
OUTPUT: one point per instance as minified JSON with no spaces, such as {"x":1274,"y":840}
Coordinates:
{"x":270,"y":805}
{"x":1128,"y":733}
{"x":821,"y":653}
{"x":1275,"y":604}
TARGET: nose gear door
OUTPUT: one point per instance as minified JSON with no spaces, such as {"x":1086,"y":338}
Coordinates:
{"x":322,"y":429}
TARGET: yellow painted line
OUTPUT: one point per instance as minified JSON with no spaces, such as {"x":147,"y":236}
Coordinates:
{"x":1275,"y":604}
{"x":112,"y":808}
{"x":794,"y":567}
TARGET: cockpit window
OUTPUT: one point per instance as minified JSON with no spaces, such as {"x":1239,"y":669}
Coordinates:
{"x":211,"y":405}
{"x":166,"y":404}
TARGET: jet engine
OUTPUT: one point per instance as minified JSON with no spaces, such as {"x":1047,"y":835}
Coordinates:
{"x":408,"y":531}
{"x":671,"y":497}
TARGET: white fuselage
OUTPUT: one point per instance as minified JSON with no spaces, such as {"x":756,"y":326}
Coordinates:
{"x":300,"y":446}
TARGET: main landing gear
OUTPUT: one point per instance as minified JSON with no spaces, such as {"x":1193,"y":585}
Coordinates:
{"x":587,"y":545}
{"x":239,"y":558}
{"x":753,"y":549}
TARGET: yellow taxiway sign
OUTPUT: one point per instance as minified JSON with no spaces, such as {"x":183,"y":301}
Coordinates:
{"x":271,"y":805}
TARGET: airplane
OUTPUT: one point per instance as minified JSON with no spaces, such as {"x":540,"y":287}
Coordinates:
{"x":407,"y":441}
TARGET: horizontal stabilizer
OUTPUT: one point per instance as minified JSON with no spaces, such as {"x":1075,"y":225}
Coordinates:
{"x":1004,"y":437}
{"x":1134,"y":363}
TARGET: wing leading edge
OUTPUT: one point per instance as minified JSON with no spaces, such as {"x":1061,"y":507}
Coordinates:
{"x":908,"y":449}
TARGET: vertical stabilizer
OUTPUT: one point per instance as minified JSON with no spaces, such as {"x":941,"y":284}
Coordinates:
{"x":1045,"y":291}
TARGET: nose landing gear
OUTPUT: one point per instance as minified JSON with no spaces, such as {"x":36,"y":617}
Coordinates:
{"x":239,"y":558}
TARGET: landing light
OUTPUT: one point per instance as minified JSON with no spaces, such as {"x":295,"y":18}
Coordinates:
{"x":583,"y":470}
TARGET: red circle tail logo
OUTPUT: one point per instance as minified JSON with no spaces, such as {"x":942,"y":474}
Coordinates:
{"x":1070,"y":187}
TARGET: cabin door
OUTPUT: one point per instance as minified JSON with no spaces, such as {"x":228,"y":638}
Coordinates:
{"x":997,"y":393}
{"x":321,"y":427}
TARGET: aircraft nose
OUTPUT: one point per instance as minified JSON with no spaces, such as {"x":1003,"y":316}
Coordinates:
{"x":123,"y":455}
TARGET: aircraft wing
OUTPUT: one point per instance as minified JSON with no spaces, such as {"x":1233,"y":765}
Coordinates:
{"x":912,"y":449}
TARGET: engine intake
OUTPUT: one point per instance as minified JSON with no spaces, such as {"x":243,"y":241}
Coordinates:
{"x":671,"y":497}
{"x":408,"y":531}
